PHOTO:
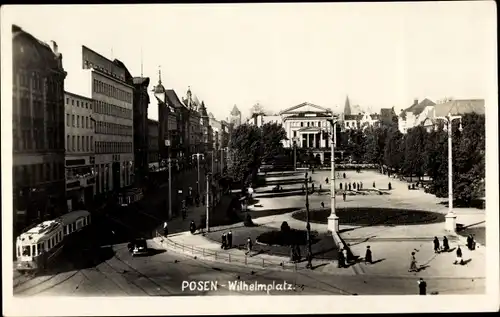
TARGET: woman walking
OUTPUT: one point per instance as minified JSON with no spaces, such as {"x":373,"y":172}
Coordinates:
{"x":413,"y":263}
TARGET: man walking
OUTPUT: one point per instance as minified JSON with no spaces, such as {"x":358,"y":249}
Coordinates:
{"x":165,"y":229}
{"x":368,"y":255}
{"x":230,"y":239}
{"x":459,"y":257}
{"x":322,"y":205}
{"x":436,"y":245}
{"x":249,"y":245}
{"x":422,"y":287}
{"x":343,"y":195}
{"x":413,"y":263}
{"x":446,"y":246}
{"x":223,"y":241}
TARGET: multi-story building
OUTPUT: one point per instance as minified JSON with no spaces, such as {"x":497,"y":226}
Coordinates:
{"x":235,"y":118}
{"x":110,"y":86}
{"x":153,"y":151}
{"x":194,"y":129}
{"x":259,"y":119}
{"x":141,"y":143}
{"x":80,"y":155}
{"x":415,"y":115}
{"x":206,"y":130}
{"x":306,"y":126}
{"x":37,"y":130}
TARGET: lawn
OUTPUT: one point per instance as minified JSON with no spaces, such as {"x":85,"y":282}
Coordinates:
{"x":372,"y":216}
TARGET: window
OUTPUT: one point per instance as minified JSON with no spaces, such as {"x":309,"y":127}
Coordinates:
{"x":67,"y":119}
{"x":73,"y":120}
{"x":87,"y":122}
{"x":91,"y":143}
{"x":67,"y":101}
{"x":72,"y":102}
{"x":87,"y":142}
{"x":91,"y":104}
{"x":73,"y":143}
{"x":26,"y":250}
{"x":294,"y":134}
{"x":77,"y":121}
{"x":78,"y":103}
{"x":78,"y":143}
{"x":67,"y":143}
{"x":302,"y":124}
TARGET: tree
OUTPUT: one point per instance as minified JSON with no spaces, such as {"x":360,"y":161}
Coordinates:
{"x":414,"y":156}
{"x":257,"y":109}
{"x":246,"y":153}
{"x":355,"y":144}
{"x":375,"y":144}
{"x":273,"y":135}
{"x":394,"y":150}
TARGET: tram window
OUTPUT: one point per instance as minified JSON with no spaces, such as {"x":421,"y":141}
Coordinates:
{"x":26,"y":250}
{"x":60,"y":235}
{"x":66,"y":230}
{"x":39,"y":248}
{"x":73,"y":227}
{"x":18,"y":251}
{"x":33,"y":250}
{"x":49,"y":244}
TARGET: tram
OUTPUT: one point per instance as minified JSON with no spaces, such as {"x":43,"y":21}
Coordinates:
{"x":40,"y":245}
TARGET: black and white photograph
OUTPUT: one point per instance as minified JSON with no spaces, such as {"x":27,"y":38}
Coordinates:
{"x":177,"y":159}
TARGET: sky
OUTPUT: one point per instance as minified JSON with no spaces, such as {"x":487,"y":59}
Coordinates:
{"x":279,"y":55}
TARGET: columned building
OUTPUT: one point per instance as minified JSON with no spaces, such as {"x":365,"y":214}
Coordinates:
{"x":305,"y":126}
{"x":37,"y":130}
{"x":80,"y":153}
{"x":113,"y":97}
{"x":141,"y":103}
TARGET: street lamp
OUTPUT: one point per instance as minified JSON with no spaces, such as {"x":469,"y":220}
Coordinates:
{"x":308,"y":227}
{"x":208,"y":200}
{"x":451,"y":217}
{"x":333,"y":219}
{"x":198,"y":155}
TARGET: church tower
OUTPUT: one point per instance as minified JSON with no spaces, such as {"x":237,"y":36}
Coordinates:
{"x":347,"y":106}
{"x":235,"y":116}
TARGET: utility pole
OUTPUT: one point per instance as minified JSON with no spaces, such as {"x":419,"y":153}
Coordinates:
{"x":169,"y":188}
{"x":198,"y":170}
{"x":308,"y":227}
{"x":208,"y":201}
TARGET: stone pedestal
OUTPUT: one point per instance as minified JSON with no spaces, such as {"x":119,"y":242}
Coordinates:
{"x":451,"y":222}
{"x":333,"y":223}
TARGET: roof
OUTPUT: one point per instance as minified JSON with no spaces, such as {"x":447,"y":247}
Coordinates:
{"x":174,"y":99}
{"x":389,"y":112}
{"x":235,"y":111}
{"x":462,"y":106}
{"x":144,"y":81}
{"x":51,"y":59}
{"x":119,"y":63}
{"x":309,"y":108}
{"x":40,"y":231}
{"x":353,"y":117}
{"x":375,"y":116}
{"x":203,"y":110}
{"x":73,"y":216}
{"x":417,"y":108}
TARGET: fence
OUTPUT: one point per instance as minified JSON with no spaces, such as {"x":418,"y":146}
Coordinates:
{"x":247,"y":260}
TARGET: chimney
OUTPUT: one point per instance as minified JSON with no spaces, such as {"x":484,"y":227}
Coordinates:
{"x":54,"y":47}
{"x":415,"y":101}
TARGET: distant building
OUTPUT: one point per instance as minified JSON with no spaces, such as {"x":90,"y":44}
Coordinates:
{"x":141,"y":143}
{"x":261,"y":119}
{"x":356,"y":119}
{"x":153,"y":155}
{"x":415,"y":115}
{"x":458,"y":107}
{"x":235,"y":118}
{"x":80,"y":152}
{"x":38,"y":130}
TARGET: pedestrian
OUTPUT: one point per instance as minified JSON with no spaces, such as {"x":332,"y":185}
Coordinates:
{"x":345,"y":255}
{"x":368,"y":255}
{"x":344,"y":195}
{"x":344,"y":175}
{"x":373,"y":184}
{"x":340,"y":186}
{"x":326,"y":180}
{"x":230,"y":239}
{"x":165,"y":229}
{"x":223,"y":241}
{"x":422,"y":287}
{"x":349,"y":186}
{"x":446,"y":246}
{"x":413,"y":263}
{"x":341,"y":260}
{"x":249,"y":245}
{"x":354,"y":186}
{"x":471,"y":244}
{"x":436,"y":245}
{"x":322,"y":205}
{"x":390,"y":186}
{"x":310,"y":179}
{"x":192,"y":227}
{"x":312,"y":187}
{"x":319,"y":187}
{"x":459,"y":257}
{"x":361,"y":185}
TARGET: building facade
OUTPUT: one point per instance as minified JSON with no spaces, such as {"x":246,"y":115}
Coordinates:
{"x":153,"y":151}
{"x":80,"y":152}
{"x":37,"y":130}
{"x":141,"y":143}
{"x":113,"y":114}
{"x":415,"y":115}
{"x":260,"y":119}
{"x":235,"y":118}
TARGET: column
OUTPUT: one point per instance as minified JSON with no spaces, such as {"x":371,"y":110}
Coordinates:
{"x":321,"y":139}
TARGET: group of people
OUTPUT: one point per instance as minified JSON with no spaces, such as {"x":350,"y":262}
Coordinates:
{"x":350,"y":186}
{"x":437,"y":247}
{"x":343,"y":258}
{"x":227,"y":240}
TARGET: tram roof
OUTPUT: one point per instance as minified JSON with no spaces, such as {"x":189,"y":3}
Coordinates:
{"x":39,"y":232}
{"x":73,"y":216}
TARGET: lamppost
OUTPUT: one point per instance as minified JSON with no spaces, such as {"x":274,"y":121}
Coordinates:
{"x":198,"y":155}
{"x":451,"y":217}
{"x":208,"y":200}
{"x":333,"y":219}
{"x":308,"y":226}
{"x":295,"y":140}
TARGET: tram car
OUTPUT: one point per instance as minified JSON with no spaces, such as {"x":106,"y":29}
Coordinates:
{"x":38,"y":246}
